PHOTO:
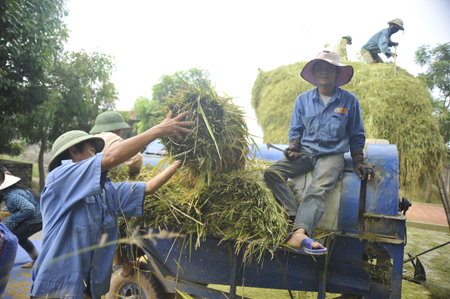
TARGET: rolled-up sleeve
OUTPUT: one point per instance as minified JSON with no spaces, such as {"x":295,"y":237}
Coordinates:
{"x":128,"y":198}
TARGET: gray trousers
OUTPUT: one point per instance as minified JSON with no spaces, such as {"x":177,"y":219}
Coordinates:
{"x":327,"y":170}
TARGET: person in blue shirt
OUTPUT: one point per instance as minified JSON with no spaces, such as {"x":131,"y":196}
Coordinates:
{"x":326,"y":122}
{"x":80,"y":206}
{"x":380,"y":43}
{"x":23,"y":204}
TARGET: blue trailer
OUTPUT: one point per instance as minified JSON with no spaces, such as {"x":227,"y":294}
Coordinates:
{"x":365,"y":259}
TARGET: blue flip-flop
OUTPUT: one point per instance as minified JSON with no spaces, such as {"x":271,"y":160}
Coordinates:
{"x":306,"y":246}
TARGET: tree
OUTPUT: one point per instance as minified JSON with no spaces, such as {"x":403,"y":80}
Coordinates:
{"x":31,"y":34}
{"x":79,"y":88}
{"x":437,"y":78}
{"x":148,"y":111}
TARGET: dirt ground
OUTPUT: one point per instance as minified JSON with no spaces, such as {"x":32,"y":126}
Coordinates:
{"x":436,"y":264}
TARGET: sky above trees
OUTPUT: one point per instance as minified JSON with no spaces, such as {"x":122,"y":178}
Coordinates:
{"x":232,"y":39}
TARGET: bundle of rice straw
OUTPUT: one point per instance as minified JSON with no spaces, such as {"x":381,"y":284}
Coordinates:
{"x":220,"y":142}
{"x":397,"y":109}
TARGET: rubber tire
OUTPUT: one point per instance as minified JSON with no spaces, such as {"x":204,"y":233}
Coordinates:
{"x":150,"y":286}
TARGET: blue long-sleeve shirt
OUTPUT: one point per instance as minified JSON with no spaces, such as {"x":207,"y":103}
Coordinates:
{"x":23,"y":208}
{"x":380,"y":42}
{"x":79,"y":205}
{"x":330,"y":129}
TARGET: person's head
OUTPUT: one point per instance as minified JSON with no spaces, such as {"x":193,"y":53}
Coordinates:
{"x":109,"y":121}
{"x":348,"y":38}
{"x":6,"y":181}
{"x":325,"y":69}
{"x":395,"y":25}
{"x":76,"y":146}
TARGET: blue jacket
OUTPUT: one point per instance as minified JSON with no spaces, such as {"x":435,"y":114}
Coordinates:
{"x":23,"y":208}
{"x":329,"y":129}
{"x":80,"y":206}
{"x":380,"y":43}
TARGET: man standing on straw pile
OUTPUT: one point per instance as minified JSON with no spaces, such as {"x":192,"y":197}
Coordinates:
{"x":325,"y":123}
{"x":109,"y":126}
{"x":380,"y":43}
{"x":340,"y":48}
{"x":80,"y":206}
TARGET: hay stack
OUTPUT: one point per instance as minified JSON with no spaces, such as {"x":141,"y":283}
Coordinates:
{"x":397,"y":109}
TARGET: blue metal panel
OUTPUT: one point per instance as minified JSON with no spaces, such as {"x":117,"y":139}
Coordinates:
{"x":348,"y":211}
{"x":382,"y":192}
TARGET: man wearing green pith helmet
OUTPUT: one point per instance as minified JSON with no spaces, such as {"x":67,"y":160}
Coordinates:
{"x":109,"y":126}
{"x":340,"y":48}
{"x":80,"y":206}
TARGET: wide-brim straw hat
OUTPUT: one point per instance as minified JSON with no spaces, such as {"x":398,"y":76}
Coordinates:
{"x":69,"y":139}
{"x":397,"y":22}
{"x":109,"y":121}
{"x":9,"y":181}
{"x":343,"y":78}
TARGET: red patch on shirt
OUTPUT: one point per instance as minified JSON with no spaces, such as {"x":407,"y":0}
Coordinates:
{"x":340,"y":110}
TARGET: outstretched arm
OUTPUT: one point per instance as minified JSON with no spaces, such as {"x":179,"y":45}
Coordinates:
{"x":130,"y":147}
{"x":161,"y":178}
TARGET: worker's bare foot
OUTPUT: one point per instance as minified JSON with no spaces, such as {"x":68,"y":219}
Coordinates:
{"x":127,"y":269}
{"x":28,"y":265}
{"x":298,"y":236}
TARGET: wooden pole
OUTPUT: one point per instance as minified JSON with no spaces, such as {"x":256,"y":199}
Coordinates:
{"x":444,"y":198}
{"x":395,"y":61}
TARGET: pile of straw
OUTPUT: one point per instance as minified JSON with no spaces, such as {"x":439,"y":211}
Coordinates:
{"x":397,"y":109}
{"x":218,"y":191}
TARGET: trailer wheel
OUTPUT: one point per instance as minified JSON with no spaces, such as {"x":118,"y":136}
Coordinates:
{"x":122,"y":287}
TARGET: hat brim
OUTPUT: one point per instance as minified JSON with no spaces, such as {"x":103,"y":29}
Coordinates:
{"x":9,"y":181}
{"x":99,"y":144}
{"x":343,"y":78}
{"x":109,"y":127}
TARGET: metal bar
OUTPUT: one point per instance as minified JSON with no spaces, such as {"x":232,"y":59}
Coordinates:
{"x":233,"y":277}
{"x":362,"y":205}
{"x":413,"y":257}
{"x":283,"y":275}
{"x":444,"y":201}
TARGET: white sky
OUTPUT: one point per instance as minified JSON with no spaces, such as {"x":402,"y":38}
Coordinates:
{"x":232,"y":39}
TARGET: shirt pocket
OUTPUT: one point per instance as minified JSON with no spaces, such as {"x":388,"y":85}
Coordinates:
{"x":337,"y":126}
{"x":87,"y":212}
{"x":311,"y":124}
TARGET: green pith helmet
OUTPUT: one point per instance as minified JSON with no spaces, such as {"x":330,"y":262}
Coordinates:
{"x":108,"y":121}
{"x":71,"y":138}
{"x":397,"y":22}
{"x":349,"y":38}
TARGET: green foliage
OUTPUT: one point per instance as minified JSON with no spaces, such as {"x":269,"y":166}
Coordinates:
{"x":437,"y":77}
{"x":125,"y":114}
{"x":32,"y":33}
{"x":148,"y":111}
{"x":397,"y":109}
{"x":78,"y":89}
